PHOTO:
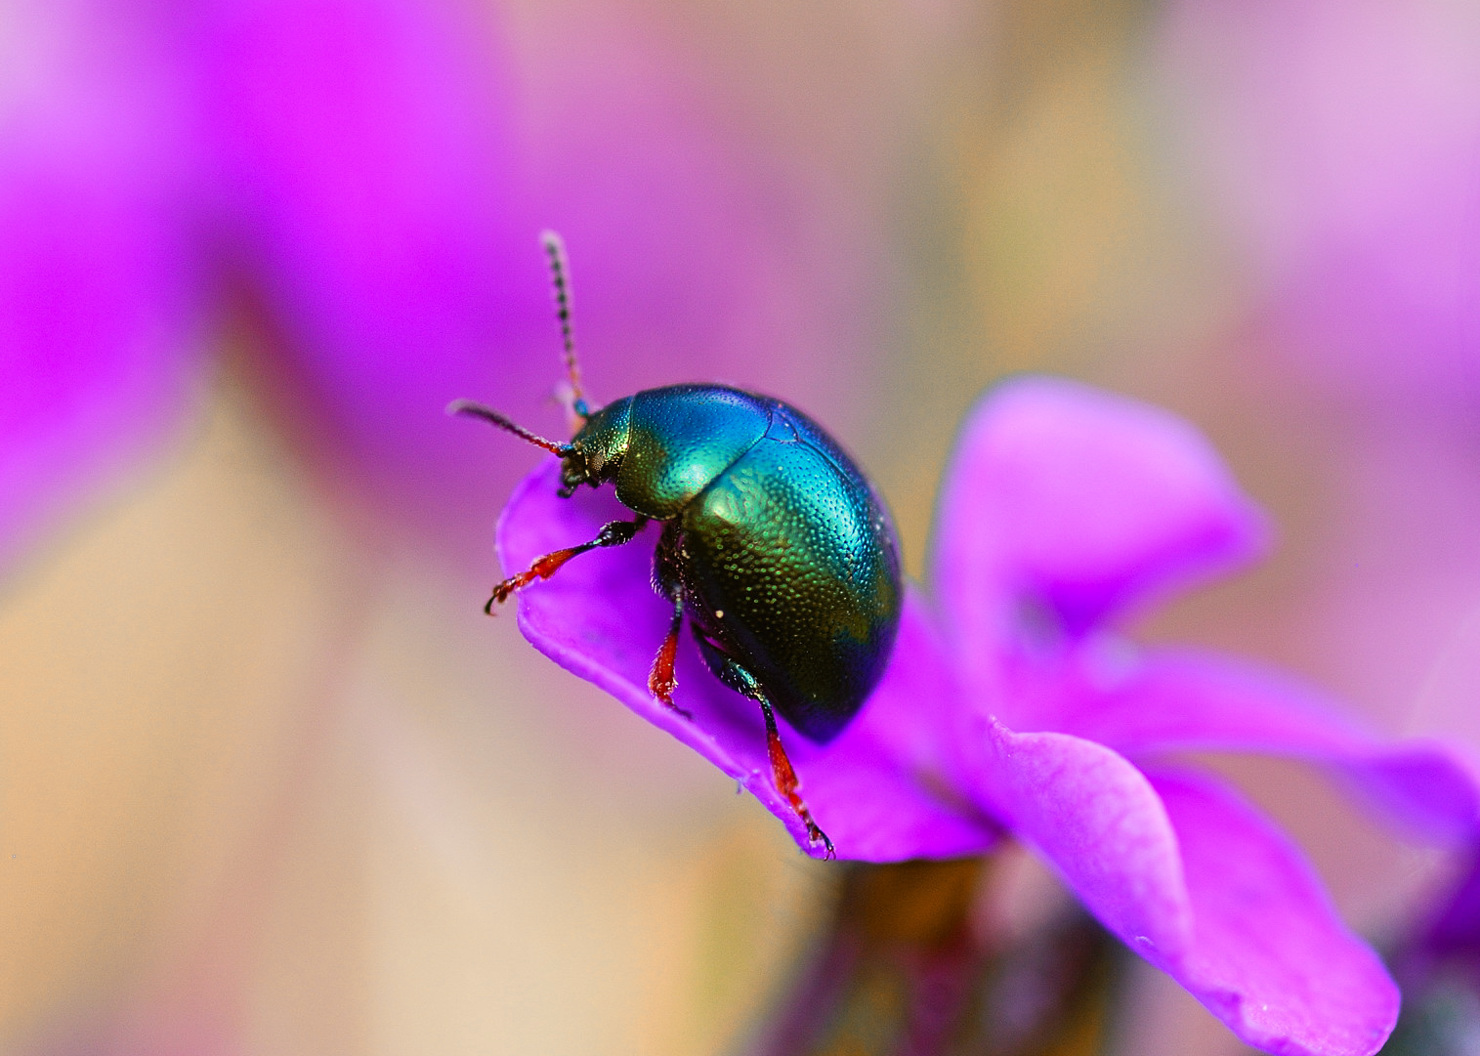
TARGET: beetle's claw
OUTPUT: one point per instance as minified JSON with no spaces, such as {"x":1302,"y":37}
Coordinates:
{"x":664,"y":694}
{"x":505,"y":590}
{"x":816,"y":836}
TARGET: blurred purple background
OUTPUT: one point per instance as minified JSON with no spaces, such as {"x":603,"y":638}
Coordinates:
{"x":271,"y":782}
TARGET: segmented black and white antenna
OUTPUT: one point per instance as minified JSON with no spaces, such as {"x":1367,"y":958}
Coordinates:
{"x":471,"y":409}
{"x":560,"y":273}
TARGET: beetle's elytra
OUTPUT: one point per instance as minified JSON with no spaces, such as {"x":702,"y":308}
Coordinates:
{"x":775,"y":548}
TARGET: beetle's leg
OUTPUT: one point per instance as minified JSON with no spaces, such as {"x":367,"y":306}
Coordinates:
{"x":613,"y":533}
{"x":661,"y":679}
{"x":787,"y":782}
{"x":667,"y":582}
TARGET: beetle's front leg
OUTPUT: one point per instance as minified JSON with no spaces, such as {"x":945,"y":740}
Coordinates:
{"x":613,"y":533}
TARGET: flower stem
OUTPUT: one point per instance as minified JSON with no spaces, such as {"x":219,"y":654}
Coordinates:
{"x":904,"y":968}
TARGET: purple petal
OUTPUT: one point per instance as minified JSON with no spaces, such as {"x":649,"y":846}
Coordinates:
{"x":882,"y":791}
{"x":1072,"y":503}
{"x":1269,"y":956}
{"x":1191,"y":701}
{"x":1098,"y":821}
{"x":894,"y":778}
{"x":1199,"y":885}
{"x":96,"y":312}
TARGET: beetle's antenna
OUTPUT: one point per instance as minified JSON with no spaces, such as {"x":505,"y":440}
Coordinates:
{"x":560,"y":272}
{"x":488,"y":414}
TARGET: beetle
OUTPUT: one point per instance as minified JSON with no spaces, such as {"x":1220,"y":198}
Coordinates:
{"x":775,"y":547}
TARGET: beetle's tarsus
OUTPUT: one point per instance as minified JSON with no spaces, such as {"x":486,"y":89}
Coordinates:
{"x":661,"y":679}
{"x":816,"y":836}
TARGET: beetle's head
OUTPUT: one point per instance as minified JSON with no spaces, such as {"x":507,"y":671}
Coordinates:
{"x":597,"y":449}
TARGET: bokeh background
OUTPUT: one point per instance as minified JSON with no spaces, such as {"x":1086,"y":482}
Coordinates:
{"x":269,"y":780}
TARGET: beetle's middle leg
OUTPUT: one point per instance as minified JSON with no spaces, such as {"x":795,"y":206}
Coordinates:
{"x":668,"y":582}
{"x":613,"y":533}
{"x":787,"y":783}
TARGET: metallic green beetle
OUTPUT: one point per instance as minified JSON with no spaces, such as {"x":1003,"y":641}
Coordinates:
{"x":774,"y":546}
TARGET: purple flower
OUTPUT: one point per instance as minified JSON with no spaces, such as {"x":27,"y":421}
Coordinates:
{"x":1011,"y":705}
{"x":94,"y":284}
{"x":361,"y":184}
{"x":338,"y":167}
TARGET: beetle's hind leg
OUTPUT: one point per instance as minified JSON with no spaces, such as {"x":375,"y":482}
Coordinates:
{"x":667,"y":582}
{"x":787,"y":782}
{"x":613,"y":533}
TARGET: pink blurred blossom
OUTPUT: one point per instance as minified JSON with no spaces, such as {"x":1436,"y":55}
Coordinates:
{"x":363,"y":183}
{"x":1341,"y":141}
